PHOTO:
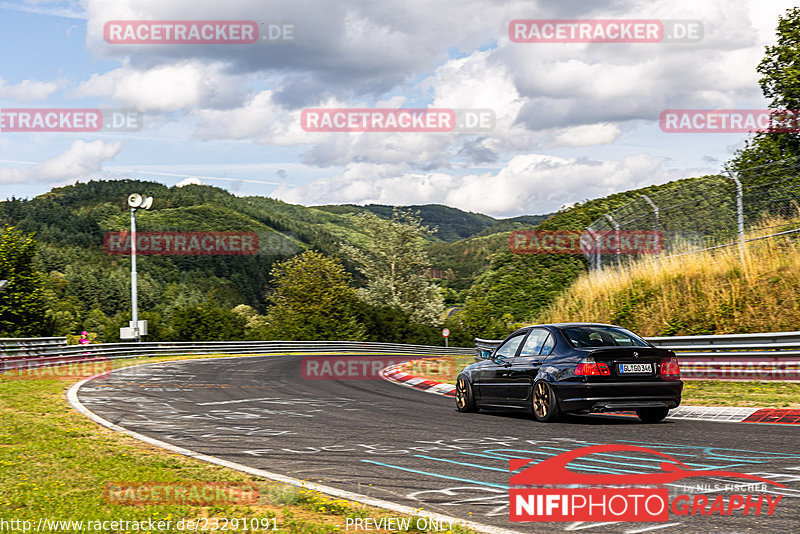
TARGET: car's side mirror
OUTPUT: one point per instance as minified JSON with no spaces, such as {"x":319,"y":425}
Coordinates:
{"x":499,"y":359}
{"x":485,"y":354}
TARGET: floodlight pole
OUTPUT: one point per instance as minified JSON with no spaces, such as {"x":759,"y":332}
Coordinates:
{"x":134,"y":281}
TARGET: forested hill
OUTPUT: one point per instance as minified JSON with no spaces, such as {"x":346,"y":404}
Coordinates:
{"x":86,"y":287}
{"x":451,"y":224}
{"x":83,"y":280}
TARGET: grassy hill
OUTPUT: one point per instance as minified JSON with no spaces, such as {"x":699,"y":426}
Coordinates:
{"x":518,"y":286}
{"x":694,"y":294}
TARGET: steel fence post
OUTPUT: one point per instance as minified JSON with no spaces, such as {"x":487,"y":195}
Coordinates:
{"x":616,"y":230}
{"x":739,"y":212}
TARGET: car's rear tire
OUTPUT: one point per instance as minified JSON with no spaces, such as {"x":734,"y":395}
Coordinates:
{"x":652,"y":415}
{"x":544,"y":402}
{"x":465,"y":401}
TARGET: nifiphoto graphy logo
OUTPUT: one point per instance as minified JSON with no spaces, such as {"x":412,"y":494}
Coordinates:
{"x":546,"y":491}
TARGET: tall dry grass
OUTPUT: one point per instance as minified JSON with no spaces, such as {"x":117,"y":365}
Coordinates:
{"x":712,"y":292}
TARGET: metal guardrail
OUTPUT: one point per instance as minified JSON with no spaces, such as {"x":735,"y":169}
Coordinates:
{"x":763,"y":356}
{"x":32,"y":357}
{"x":787,"y":343}
{"x":767,"y":356}
{"x":761,"y":340}
{"x":18,"y":342}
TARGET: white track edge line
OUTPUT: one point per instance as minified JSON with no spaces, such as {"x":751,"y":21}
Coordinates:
{"x":74,"y":401}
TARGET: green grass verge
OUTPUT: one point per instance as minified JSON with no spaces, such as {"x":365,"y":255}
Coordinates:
{"x":728,"y":393}
{"x":771,"y":394}
{"x":55,"y":464}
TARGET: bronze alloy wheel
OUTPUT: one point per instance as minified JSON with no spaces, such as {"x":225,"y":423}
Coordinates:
{"x":461,"y":393}
{"x":541,"y":400}
{"x":465,"y":402}
{"x":545,"y":405}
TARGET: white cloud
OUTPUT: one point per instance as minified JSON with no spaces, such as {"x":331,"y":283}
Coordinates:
{"x":357,"y":53}
{"x":70,"y":9}
{"x":587,"y":135}
{"x":532,"y":183}
{"x":342,"y":48}
{"x":80,"y":159}
{"x":172,"y":87}
{"x":580,"y":101}
{"x":189,"y":181}
{"x":27,"y":90}
{"x":260,"y":119}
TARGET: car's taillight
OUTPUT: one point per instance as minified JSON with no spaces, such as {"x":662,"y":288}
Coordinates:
{"x":670,"y":369}
{"x":588,"y":367}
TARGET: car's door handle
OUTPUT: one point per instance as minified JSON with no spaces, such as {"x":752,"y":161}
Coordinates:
{"x":536,"y":362}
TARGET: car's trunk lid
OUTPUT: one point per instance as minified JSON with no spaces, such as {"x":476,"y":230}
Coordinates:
{"x":631,"y":362}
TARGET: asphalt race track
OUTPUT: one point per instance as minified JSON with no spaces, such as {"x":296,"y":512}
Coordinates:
{"x":402,"y":445}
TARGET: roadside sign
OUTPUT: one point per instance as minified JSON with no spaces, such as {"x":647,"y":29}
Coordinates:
{"x":446,"y":332}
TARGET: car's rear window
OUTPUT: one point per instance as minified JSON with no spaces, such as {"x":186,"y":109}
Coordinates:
{"x":602,"y":336}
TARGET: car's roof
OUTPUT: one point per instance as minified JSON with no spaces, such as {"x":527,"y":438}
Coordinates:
{"x":566,"y":325}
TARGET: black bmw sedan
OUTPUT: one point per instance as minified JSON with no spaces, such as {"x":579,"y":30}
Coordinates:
{"x":573,"y":368}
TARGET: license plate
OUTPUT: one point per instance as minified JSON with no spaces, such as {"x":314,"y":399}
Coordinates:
{"x":627,"y":368}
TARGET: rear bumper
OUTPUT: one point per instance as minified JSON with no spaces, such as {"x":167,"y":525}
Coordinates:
{"x":616,"y":396}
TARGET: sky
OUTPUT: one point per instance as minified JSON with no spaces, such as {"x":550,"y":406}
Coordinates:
{"x":572,"y":121}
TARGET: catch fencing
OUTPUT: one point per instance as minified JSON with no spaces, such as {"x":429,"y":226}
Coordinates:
{"x":707,"y":213}
{"x":765,"y":356}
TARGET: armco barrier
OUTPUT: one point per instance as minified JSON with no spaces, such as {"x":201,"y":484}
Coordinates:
{"x":764,"y":356}
{"x":21,"y":342}
{"x":35,"y":356}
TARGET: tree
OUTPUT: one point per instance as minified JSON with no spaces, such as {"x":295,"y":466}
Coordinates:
{"x":313,"y":300}
{"x":22,"y":301}
{"x":780,"y":83}
{"x":207,"y":323}
{"x":256,"y":326}
{"x":390,"y":325}
{"x":392,"y":264}
{"x":479,"y":318}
